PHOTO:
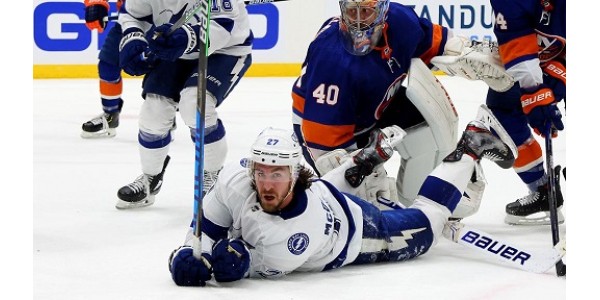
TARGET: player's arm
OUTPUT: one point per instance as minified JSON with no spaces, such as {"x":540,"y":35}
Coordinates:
{"x":433,"y":41}
{"x":135,"y":18}
{"x":136,"y":15}
{"x":518,"y":49}
{"x":225,"y":259}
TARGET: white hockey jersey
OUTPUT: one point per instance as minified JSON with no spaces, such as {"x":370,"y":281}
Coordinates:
{"x":321,"y":229}
{"x":229,"y":29}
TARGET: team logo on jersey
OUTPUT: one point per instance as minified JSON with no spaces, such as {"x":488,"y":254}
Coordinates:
{"x":389,"y":95}
{"x":550,"y":46}
{"x":298,"y":243}
{"x":244,"y":162}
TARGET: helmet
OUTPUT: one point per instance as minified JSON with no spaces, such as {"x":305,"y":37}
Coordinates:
{"x":361,"y":24}
{"x":276,"y":147}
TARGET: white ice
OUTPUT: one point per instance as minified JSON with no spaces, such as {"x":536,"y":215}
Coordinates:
{"x":84,"y":248}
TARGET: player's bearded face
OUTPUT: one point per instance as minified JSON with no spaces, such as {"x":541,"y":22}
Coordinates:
{"x":273,"y":185}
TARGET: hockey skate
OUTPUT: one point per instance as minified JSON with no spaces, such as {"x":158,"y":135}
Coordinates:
{"x":142,"y":191}
{"x":379,"y":150}
{"x":534,"y":209}
{"x":102,"y":126}
{"x":478,"y":142}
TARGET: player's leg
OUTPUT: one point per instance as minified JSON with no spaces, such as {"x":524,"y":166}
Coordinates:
{"x":111,"y":88}
{"x":402,"y":234}
{"x":223,"y":74}
{"x":534,"y":207}
{"x":424,"y":110}
{"x":161,"y":92}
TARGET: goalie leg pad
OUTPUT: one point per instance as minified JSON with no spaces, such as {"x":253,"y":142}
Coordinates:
{"x":426,"y":144}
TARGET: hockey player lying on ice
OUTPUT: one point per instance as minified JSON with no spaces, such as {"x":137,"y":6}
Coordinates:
{"x":268,"y":215}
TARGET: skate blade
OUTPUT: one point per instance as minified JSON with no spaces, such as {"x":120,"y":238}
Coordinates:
{"x":129,"y":205}
{"x":102,"y":134}
{"x":540,"y":218}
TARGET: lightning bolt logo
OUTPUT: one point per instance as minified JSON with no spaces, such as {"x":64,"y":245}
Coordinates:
{"x":239,"y":65}
{"x":399,"y":242}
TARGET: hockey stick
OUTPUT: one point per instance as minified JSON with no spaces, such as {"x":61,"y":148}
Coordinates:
{"x":508,"y":253}
{"x":200,"y":121}
{"x":561,"y":268}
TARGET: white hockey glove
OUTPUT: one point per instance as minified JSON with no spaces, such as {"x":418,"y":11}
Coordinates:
{"x":474,"y":60}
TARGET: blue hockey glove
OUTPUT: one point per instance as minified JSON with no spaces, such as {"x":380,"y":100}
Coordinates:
{"x":96,"y":14}
{"x":540,"y":107}
{"x":186,"y":270}
{"x":231,"y":260}
{"x":182,"y":41}
{"x":133,"y":51}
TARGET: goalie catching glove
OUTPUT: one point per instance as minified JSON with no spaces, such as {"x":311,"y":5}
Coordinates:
{"x":474,"y":60}
{"x":183,"y":40}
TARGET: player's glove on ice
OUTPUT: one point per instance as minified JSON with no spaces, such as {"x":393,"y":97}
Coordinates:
{"x":186,"y":270}
{"x":540,"y":107}
{"x":96,"y":14}
{"x":182,"y":41}
{"x":133,"y":49}
{"x":231,"y":260}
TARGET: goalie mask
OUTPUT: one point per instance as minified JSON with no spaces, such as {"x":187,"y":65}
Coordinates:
{"x":362,"y":23}
{"x":276,"y":147}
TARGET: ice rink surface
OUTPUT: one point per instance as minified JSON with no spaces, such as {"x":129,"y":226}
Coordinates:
{"x":84,"y":248}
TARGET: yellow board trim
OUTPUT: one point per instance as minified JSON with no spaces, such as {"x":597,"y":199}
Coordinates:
{"x":91,"y":71}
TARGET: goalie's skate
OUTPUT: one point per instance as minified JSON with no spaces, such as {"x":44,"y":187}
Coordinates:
{"x":478,"y":142}
{"x":102,"y":126}
{"x":142,"y":191}
{"x":379,"y":150}
{"x":534,"y":209}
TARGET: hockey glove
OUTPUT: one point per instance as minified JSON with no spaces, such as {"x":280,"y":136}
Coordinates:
{"x":133,"y":51}
{"x":231,"y":260}
{"x":182,"y":41}
{"x":555,"y":77}
{"x":186,"y":270}
{"x":96,"y":14}
{"x":540,"y":107}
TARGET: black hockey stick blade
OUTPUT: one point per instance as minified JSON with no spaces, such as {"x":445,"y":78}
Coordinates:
{"x":554,"y":184}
